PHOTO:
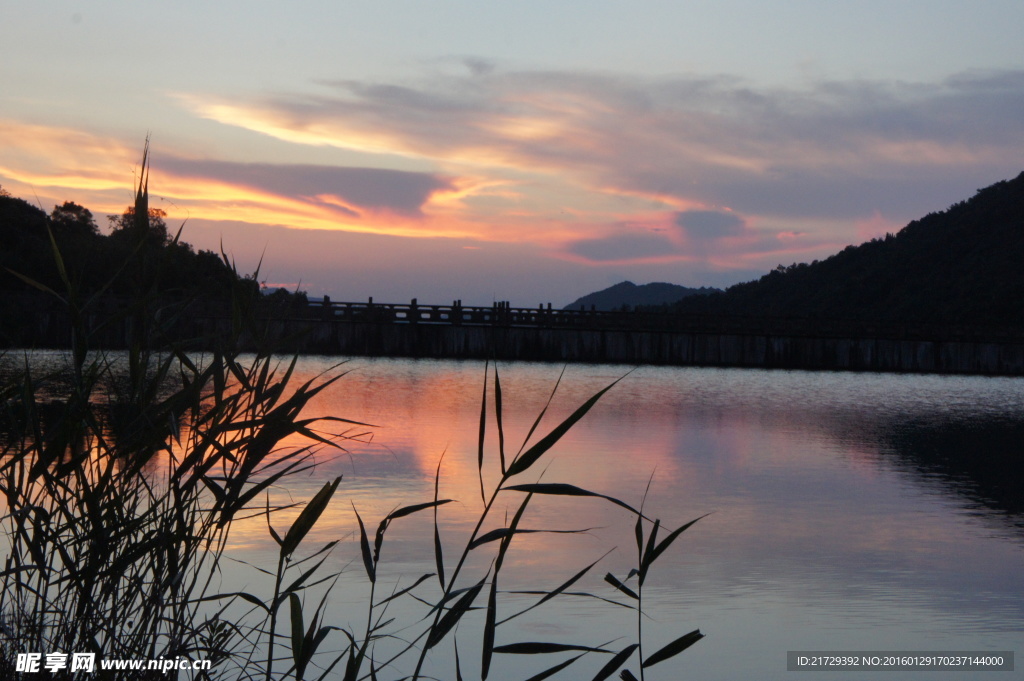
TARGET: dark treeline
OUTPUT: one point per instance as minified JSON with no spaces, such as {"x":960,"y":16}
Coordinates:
{"x":93,"y":259}
{"x":962,"y":266}
{"x":109,"y":266}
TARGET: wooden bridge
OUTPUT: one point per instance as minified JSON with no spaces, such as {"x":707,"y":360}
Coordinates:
{"x":502,"y":314}
{"x":641,"y":337}
{"x":501,"y":331}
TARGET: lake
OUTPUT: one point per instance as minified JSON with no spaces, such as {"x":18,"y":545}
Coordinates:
{"x":848,"y":511}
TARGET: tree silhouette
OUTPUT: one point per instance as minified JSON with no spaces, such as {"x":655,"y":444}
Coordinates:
{"x":73,"y":219}
{"x":124,"y":226}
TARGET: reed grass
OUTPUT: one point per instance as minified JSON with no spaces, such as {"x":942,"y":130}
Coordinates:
{"x":120,"y":497}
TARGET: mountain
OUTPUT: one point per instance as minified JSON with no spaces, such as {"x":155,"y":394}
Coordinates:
{"x":629,"y":294}
{"x":964,"y":265}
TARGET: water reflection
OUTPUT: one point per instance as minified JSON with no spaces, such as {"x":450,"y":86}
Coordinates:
{"x":981,"y":461}
{"x":849,"y":511}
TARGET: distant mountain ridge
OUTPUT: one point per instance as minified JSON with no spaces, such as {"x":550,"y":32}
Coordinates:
{"x":629,"y":294}
{"x":961,"y":266}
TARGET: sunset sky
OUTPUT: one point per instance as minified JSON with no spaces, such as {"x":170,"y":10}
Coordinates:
{"x":523,"y":151}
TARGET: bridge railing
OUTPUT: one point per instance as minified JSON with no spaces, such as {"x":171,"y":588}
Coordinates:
{"x":499,"y":314}
{"x":544,"y":316}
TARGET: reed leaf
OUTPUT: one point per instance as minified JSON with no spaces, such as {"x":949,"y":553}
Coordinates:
{"x":37,"y":285}
{"x":323,"y":549}
{"x":498,"y":416}
{"x":400,"y":513}
{"x":674,"y":648}
{"x":523,"y":462}
{"x":454,"y":614}
{"x":308,"y":517}
{"x":244,"y":595}
{"x":646,"y":559}
{"x":551,"y":671}
{"x":545,"y":648}
{"x":364,"y":546}
{"x":614,"y":581}
{"x":565,"y":489}
{"x":487,"y":647}
{"x":506,"y":540}
{"x":326,"y":673}
{"x":399,"y":594}
{"x":506,"y":533}
{"x":540,"y":415}
{"x":438,"y":550}
{"x":557,"y":590}
{"x":483,"y":432}
{"x":298,"y":632}
{"x":616,"y":662}
{"x":355,"y":661}
{"x":652,"y":554}
{"x":273,"y":533}
{"x":301,"y":579}
{"x":312,"y":637}
{"x":415,"y":508}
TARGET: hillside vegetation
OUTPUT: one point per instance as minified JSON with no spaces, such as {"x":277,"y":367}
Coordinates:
{"x":964,"y":265}
{"x":96,"y":261}
{"x":62,"y":260}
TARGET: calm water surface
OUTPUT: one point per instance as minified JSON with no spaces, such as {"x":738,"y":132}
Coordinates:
{"x":849,"y":512}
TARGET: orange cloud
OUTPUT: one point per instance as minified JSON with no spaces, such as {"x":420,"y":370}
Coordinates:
{"x":97,"y":172}
{"x":52,"y":157}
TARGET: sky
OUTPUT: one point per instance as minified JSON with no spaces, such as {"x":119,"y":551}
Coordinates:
{"x":531,"y":151}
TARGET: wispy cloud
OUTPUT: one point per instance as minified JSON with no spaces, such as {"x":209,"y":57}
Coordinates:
{"x":99,"y":171}
{"x":353,"y":189}
{"x":643,"y":246}
{"x":813,"y":164}
{"x":598,"y":168}
{"x":44,"y":156}
{"x":717,"y":239}
{"x":833,"y":149}
{"x":704,"y":225}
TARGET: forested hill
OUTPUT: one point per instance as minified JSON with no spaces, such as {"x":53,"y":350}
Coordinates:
{"x":118,"y":265}
{"x":95,"y":261}
{"x":628,"y":295}
{"x":964,"y":265}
